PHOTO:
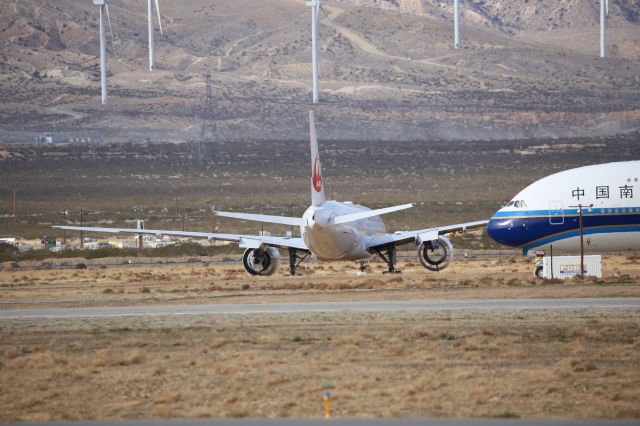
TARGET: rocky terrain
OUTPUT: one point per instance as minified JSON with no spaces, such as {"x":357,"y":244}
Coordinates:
{"x":388,"y":70}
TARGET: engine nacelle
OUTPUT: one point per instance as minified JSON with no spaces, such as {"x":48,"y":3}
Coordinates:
{"x":261,"y":261}
{"x":435,"y":255}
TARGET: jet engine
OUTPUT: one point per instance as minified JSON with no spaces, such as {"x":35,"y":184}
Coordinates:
{"x":261,"y":261}
{"x":435,"y":255}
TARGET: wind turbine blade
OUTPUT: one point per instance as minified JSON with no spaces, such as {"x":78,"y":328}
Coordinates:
{"x":159,"y":21}
{"x":106,"y":6}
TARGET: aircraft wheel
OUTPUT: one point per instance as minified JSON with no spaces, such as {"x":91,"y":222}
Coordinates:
{"x":538,"y":271}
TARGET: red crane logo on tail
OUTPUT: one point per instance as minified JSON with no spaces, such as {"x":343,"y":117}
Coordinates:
{"x":317,"y":175}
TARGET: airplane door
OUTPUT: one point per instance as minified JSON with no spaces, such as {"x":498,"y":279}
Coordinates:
{"x":556,"y":213}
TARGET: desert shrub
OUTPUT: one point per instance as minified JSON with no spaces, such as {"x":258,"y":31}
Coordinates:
{"x":7,"y":252}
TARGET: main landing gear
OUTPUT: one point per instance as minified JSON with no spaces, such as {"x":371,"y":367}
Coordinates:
{"x":388,"y":254}
{"x":296,"y":259}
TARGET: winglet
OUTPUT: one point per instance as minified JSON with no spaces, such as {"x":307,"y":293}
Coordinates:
{"x":317,"y":183}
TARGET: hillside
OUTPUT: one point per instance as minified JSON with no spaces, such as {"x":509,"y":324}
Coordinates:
{"x":388,"y":70}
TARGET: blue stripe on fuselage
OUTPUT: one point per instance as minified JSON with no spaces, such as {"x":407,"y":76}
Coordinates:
{"x":586,"y":231}
{"x":566,"y":212}
{"x":533,"y":228}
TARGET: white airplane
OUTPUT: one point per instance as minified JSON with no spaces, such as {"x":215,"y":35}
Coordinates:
{"x":330,"y":230}
{"x":545,"y":216}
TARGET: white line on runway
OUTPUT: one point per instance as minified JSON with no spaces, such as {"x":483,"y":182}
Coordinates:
{"x":319,"y":307}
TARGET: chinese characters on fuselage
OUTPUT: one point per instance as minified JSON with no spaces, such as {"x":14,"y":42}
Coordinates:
{"x":625,"y":191}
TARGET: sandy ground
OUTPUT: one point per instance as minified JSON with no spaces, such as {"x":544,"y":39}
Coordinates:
{"x":560,"y":364}
{"x":470,"y":277}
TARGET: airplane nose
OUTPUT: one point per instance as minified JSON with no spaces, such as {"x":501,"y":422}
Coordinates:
{"x":502,"y":231}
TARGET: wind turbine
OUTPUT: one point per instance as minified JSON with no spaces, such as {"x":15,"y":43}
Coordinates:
{"x":315,"y":7}
{"x":456,"y":23}
{"x":603,"y":27}
{"x":104,"y":9}
{"x":151,"y":28}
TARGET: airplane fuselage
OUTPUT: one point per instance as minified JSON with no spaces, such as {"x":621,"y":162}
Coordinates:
{"x":545,"y":216}
{"x":347,"y":241}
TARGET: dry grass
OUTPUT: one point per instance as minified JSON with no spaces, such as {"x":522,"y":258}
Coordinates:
{"x":467,"y":277}
{"x":529,"y":364}
{"x":574,"y":364}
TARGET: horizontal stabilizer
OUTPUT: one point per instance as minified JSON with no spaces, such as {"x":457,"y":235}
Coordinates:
{"x":346,"y":218}
{"x":283,"y":220}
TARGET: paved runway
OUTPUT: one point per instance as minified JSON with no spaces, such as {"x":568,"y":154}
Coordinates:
{"x":348,"y":422}
{"x":317,"y":307}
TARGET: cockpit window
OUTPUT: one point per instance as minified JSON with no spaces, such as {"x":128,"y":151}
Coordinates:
{"x":510,"y":203}
{"x":523,"y":204}
{"x":517,"y":204}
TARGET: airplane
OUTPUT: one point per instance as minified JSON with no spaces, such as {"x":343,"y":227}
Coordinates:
{"x":545,"y":216}
{"x":330,"y":230}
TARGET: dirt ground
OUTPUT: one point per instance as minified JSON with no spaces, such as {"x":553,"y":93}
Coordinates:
{"x":569,"y":364}
{"x":536,"y":363}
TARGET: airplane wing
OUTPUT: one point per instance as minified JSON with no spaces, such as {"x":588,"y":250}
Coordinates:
{"x":244,"y":241}
{"x":403,"y":237}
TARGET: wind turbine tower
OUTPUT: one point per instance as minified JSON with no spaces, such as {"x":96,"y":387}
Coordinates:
{"x":151,"y":28}
{"x":603,"y":27}
{"x":104,"y":9}
{"x":456,"y":23}
{"x":315,"y":7}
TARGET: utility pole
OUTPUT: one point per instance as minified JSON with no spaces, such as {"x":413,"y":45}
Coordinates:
{"x":204,"y":149}
{"x":580,"y":207}
{"x":81,"y":233}
{"x":14,"y":206}
{"x":165,"y":210}
{"x":290,"y":213}
{"x":64,"y":231}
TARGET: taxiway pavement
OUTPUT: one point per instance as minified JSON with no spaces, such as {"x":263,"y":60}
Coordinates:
{"x":327,"y":307}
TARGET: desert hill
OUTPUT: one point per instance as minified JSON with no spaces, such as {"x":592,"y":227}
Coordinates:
{"x":388,"y":70}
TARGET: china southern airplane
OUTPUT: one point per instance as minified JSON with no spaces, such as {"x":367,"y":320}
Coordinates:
{"x":330,"y":230}
{"x":545,"y":216}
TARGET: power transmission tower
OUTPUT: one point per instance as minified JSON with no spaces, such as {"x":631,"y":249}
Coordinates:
{"x":204,"y":149}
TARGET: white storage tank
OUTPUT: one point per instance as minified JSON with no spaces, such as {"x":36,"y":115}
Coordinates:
{"x":569,"y":266}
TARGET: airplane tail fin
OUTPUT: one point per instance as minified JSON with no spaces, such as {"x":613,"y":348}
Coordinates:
{"x":317,"y":183}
